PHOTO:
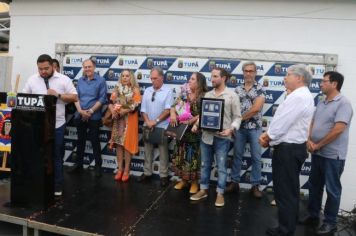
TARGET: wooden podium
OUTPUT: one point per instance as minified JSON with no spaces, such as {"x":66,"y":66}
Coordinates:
{"x":32,"y":150}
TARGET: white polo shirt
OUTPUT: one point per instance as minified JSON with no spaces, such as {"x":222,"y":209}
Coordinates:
{"x":58,"y":82}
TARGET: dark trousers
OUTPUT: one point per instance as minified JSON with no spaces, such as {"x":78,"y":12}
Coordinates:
{"x":88,"y":130}
{"x":325,"y":172}
{"x":287,"y":162}
{"x":58,"y":158}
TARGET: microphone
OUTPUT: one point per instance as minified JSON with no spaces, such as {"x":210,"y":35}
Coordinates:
{"x":46,"y":82}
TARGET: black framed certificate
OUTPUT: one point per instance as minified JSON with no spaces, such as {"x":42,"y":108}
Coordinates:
{"x":211,"y":114}
{"x":176,"y":132}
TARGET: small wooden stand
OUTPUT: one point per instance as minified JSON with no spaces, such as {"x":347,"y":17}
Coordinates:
{"x":7,"y":152}
{"x":4,"y":161}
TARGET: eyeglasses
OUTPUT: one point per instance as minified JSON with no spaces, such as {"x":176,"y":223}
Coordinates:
{"x":153,"y":96}
{"x":288,"y":74}
{"x":249,"y":71}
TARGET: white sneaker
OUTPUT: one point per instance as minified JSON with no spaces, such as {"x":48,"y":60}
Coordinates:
{"x":58,"y":193}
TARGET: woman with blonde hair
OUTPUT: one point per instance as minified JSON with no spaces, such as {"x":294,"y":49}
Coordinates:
{"x":124,"y":136}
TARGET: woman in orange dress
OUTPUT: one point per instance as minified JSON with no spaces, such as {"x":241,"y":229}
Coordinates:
{"x":124,"y":136}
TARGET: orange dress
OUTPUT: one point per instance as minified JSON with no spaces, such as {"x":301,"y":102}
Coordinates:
{"x":125,"y":129}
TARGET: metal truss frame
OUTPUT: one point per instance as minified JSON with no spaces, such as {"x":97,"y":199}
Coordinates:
{"x":4,"y":24}
{"x":329,"y":60}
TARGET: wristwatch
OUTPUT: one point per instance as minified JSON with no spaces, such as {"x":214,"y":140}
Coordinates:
{"x":157,"y":120}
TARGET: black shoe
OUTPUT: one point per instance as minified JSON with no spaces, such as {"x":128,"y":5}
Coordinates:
{"x":164,"y":181}
{"x":273,"y":232}
{"x":98,"y":172}
{"x":308,"y":220}
{"x":75,"y":169}
{"x":326,"y":229}
{"x":144,"y":178}
{"x":232,"y":188}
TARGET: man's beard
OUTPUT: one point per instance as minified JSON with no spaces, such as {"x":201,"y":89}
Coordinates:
{"x":216,"y":85}
{"x":49,"y":76}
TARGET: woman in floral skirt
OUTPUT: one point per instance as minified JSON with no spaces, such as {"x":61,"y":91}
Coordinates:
{"x":186,"y":154}
{"x":124,"y":136}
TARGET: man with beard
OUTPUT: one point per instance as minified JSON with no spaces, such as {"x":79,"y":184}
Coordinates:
{"x":50,"y":82}
{"x":218,"y":143}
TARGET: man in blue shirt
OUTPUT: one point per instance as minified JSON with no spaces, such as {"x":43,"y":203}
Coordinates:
{"x":155,"y":109}
{"x":328,"y":142}
{"x":92,"y":95}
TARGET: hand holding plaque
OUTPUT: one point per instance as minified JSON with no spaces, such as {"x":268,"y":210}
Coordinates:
{"x":211,"y":114}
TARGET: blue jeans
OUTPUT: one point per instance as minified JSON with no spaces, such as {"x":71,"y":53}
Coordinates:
{"x":58,"y":158}
{"x":220,"y":148}
{"x":325,"y":171}
{"x":241,"y":137}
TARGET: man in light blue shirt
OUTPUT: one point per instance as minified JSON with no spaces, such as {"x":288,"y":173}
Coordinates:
{"x":328,"y":142}
{"x":155,"y":107}
{"x":92,"y":95}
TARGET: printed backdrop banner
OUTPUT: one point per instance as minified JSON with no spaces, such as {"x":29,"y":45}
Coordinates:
{"x":177,"y":72}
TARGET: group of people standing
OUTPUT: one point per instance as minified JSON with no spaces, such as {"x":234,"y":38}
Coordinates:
{"x":295,"y":129}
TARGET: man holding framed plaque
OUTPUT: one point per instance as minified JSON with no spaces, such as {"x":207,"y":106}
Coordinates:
{"x":220,"y":115}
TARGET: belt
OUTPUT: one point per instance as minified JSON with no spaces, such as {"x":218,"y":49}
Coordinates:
{"x":290,"y":145}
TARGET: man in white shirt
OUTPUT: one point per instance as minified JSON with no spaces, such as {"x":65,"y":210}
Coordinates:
{"x":50,"y":82}
{"x":287,"y":134}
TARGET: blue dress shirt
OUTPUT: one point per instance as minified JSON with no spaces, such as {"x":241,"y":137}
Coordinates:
{"x":91,"y":91}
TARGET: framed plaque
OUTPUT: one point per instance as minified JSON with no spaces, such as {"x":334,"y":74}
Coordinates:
{"x":211,"y":114}
{"x":176,"y":132}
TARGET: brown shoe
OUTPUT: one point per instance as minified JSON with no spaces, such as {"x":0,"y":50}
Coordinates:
{"x":232,"y":188}
{"x":255,"y":191}
{"x":194,"y":187}
{"x":220,"y":202}
{"x":180,"y":185}
{"x":199,"y":195}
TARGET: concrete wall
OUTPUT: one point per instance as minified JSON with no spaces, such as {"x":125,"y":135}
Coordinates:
{"x":5,"y":73}
{"x":310,"y":26}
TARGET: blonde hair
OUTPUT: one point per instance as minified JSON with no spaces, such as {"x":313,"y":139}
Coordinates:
{"x":133,"y":80}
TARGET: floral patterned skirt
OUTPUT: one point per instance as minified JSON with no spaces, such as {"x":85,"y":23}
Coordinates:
{"x":118,"y":132}
{"x":186,"y":160}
